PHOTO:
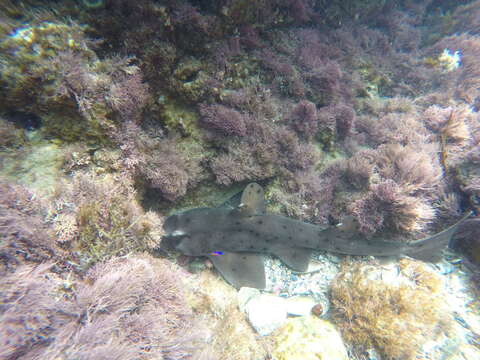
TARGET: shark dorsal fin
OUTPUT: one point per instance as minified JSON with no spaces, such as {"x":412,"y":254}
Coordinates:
{"x":349,"y":224}
{"x":253,"y":201}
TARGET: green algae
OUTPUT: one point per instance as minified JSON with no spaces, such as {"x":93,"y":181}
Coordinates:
{"x":37,"y":166}
{"x":178,"y":116}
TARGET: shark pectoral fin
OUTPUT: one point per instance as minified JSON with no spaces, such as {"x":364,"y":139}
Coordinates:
{"x":241,"y":269}
{"x":295,"y":258}
{"x":253,"y":201}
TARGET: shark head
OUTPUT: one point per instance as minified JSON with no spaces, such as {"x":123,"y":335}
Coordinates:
{"x":193,"y":232}
{"x":206,"y":232}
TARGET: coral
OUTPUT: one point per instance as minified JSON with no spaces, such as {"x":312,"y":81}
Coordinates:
{"x":395,"y":316}
{"x":125,"y":308}
{"x":225,"y":120}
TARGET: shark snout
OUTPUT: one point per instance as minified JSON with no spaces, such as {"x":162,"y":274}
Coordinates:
{"x":170,"y":225}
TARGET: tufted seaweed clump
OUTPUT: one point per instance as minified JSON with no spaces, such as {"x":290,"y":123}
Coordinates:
{"x":232,"y":337}
{"x":25,"y":238}
{"x":129,"y":308}
{"x":10,"y":135}
{"x":99,"y":217}
{"x":34,"y":48}
{"x":396,"y":316}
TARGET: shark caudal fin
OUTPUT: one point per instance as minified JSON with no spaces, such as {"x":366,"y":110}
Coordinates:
{"x":241,"y":269}
{"x":430,"y":248}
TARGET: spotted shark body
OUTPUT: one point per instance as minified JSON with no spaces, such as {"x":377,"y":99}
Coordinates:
{"x":235,"y":239}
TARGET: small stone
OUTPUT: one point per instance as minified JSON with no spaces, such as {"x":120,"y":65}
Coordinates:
{"x":317,"y":310}
{"x":245,"y":294}
{"x":299,"y":305}
{"x":266,"y":313}
{"x":309,"y":338}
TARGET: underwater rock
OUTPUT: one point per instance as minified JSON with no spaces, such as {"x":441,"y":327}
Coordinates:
{"x":300,"y":305}
{"x":396,"y":309}
{"x":245,"y":294}
{"x":232,"y":337}
{"x":266,"y":313}
{"x":27,"y":121}
{"x":309,"y":338}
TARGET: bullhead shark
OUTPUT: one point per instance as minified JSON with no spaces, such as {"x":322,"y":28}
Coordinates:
{"x":234,"y":239}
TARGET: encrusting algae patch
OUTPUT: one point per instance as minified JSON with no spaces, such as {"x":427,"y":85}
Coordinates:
{"x":231,"y":337}
{"x":394,"y":312}
{"x":309,"y":338}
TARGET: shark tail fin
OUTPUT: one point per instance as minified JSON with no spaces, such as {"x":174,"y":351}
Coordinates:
{"x":430,"y":248}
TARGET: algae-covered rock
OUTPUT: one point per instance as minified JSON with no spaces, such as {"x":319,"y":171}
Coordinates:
{"x":37,"y":166}
{"x":77,"y":95}
{"x":309,"y":338}
{"x":396,"y":309}
{"x":34,"y":48}
{"x":231,"y":335}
